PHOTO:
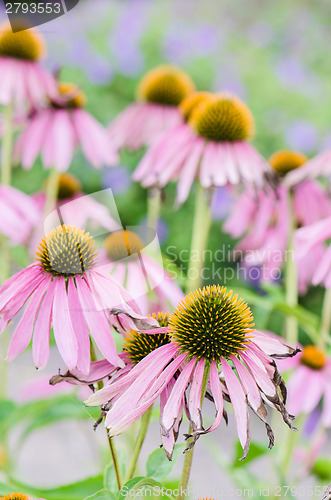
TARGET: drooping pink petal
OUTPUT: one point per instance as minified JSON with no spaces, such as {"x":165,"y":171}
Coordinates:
{"x":171,"y":409}
{"x":239,"y":404}
{"x":24,"y":329}
{"x":63,"y":330}
{"x":194,"y":403}
{"x":217,"y":393}
{"x":80,"y":328}
{"x":97,"y":323}
{"x":40,"y":346}
{"x":64,"y":139}
{"x":117,"y":426}
{"x":189,"y":170}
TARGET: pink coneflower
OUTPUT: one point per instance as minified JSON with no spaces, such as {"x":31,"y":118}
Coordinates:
{"x":67,"y":290}
{"x":319,"y":166}
{"x":76,"y":207}
{"x":137,"y":348}
{"x":19,"y":214}
{"x":23,"y":80}
{"x":212,"y":147}
{"x":158,"y":95}
{"x":141,"y":274}
{"x":54,"y":132}
{"x":262,"y":219}
{"x":309,"y":383}
{"x":211,"y":330}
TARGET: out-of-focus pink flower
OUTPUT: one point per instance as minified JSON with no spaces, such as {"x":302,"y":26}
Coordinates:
{"x":54,"y":132}
{"x":142,"y":275}
{"x":66,"y":289}
{"x":209,"y":144}
{"x":309,"y":382}
{"x":211,"y":327}
{"x":23,"y":81}
{"x":19,"y":214}
{"x":312,"y":239}
{"x":262,"y":220}
{"x":156,"y":110}
{"x":75,"y":208}
{"x":319,"y":166}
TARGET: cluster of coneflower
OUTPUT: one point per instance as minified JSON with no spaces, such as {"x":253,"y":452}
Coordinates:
{"x":205,"y":346}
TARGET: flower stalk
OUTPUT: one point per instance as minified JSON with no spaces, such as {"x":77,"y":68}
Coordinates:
{"x":153,"y":207}
{"x":189,"y":454}
{"x":200,"y":233}
{"x":111,"y":444}
{"x":7,"y":144}
{"x":291,"y":279}
{"x":144,"y":424}
{"x":325,"y":319}
{"x":52,"y":190}
{"x":6,"y":171}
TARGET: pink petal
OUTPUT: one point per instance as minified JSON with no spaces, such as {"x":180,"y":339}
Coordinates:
{"x":97,"y":323}
{"x":63,"y":330}
{"x":195,"y":394}
{"x":80,"y":328}
{"x":172,"y":407}
{"x":24,"y":329}
{"x":40,"y":347}
{"x":239,"y":404}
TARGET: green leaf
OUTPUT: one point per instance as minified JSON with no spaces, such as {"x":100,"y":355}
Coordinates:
{"x":74,"y":491}
{"x":41,"y":413}
{"x":7,"y":409}
{"x":148,"y":482}
{"x":158,"y":466}
{"x":255,"y":451}
{"x":322,"y":468}
{"x":6,"y":488}
{"x":102,"y":495}
{"x":128,"y":486}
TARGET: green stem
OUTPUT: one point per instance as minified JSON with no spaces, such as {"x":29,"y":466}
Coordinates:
{"x":7,"y":144}
{"x":111,"y":444}
{"x":291,"y":276}
{"x":325,"y":319}
{"x":145,"y":419}
{"x":6,"y":165}
{"x":201,"y":227}
{"x":290,"y":446}
{"x":52,"y":190}
{"x":186,"y":471}
{"x":189,"y":454}
{"x":116,"y":464}
{"x":153,"y":207}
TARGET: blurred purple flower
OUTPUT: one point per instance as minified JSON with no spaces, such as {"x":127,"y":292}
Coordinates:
{"x":117,"y":178}
{"x":125,"y":38}
{"x":302,"y":135}
{"x":221,"y":203}
{"x":312,"y":422}
{"x":183,"y":42}
{"x":291,"y":72}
